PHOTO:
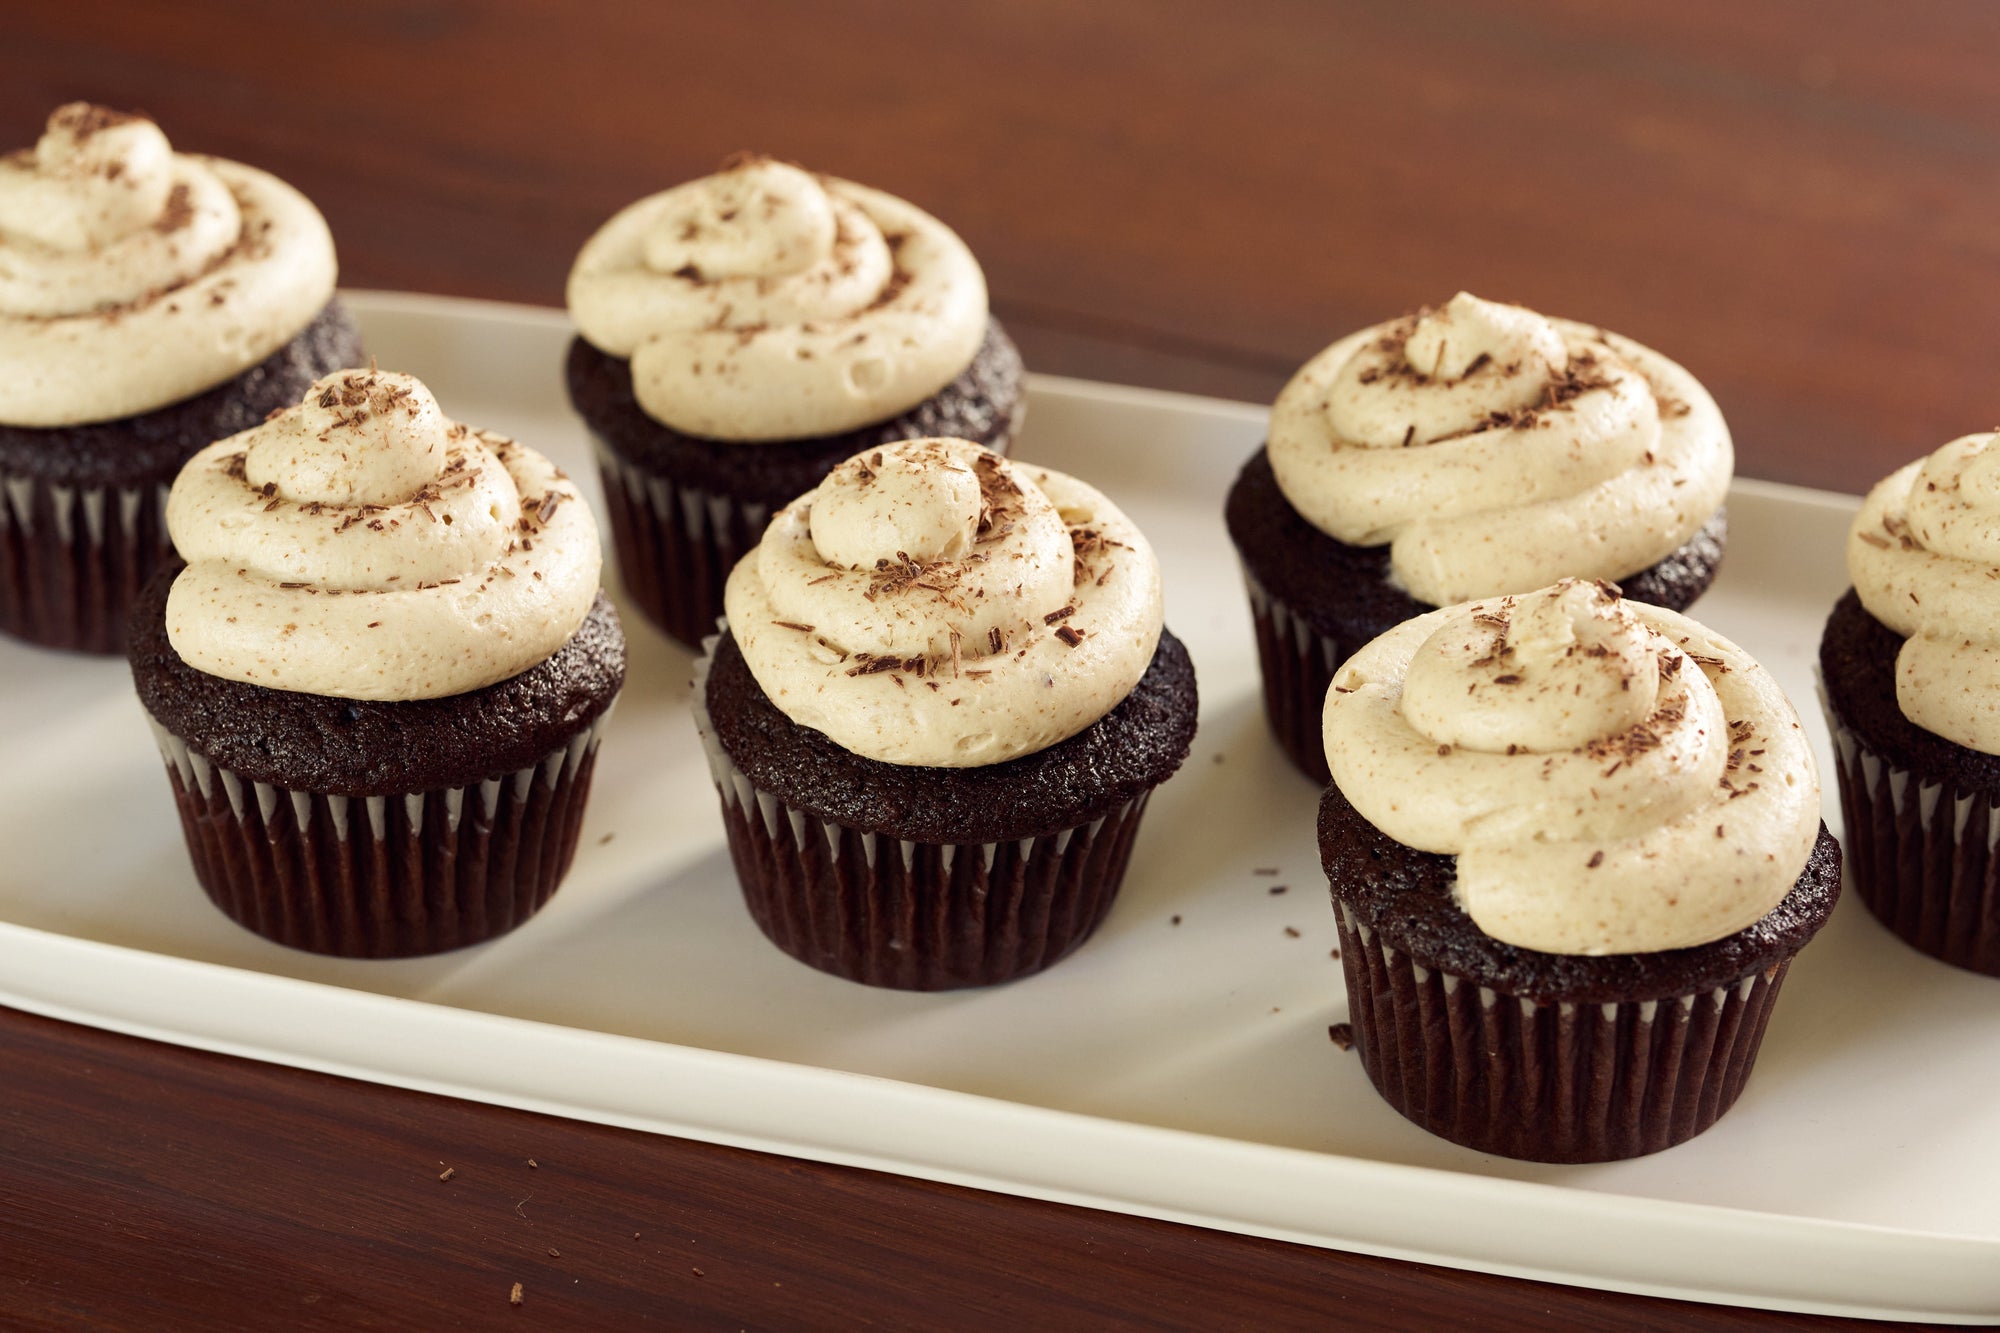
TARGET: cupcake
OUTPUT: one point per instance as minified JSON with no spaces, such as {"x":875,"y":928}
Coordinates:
{"x":1910,"y":669}
{"x":150,"y":303}
{"x":942,"y":699}
{"x":380,"y":681}
{"x":745,"y":332}
{"x":1469,"y":451}
{"x":1574,"y":844}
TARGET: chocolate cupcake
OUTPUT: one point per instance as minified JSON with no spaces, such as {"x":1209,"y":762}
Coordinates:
{"x":380,"y":681}
{"x":744,"y":333}
{"x":1574,"y":844}
{"x":941,"y":703}
{"x":1469,"y":451}
{"x":150,"y":304}
{"x":1910,"y":669}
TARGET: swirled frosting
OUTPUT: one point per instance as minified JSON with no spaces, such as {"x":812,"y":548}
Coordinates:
{"x":132,"y":276}
{"x":766,"y":303}
{"x":1924,"y":554}
{"x":1495,"y":450}
{"x":361,"y":545}
{"x":1612,"y":777}
{"x":934,"y":604}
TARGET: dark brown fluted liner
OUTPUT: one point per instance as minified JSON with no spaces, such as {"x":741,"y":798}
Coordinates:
{"x":1921,"y":855}
{"x":676,"y":545}
{"x":1298,"y":664}
{"x":922,"y":916}
{"x":72,"y":560}
{"x":373,"y":877}
{"x":1559,"y":1082}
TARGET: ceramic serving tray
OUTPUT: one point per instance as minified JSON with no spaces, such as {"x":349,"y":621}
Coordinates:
{"x":1178,"y":1065}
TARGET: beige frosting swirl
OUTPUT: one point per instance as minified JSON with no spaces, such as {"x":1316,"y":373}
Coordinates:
{"x":765,"y":303}
{"x":934,"y":604}
{"x":1612,"y":777}
{"x":132,"y":277}
{"x":363,"y":546}
{"x":1495,"y":450}
{"x":1924,"y":554}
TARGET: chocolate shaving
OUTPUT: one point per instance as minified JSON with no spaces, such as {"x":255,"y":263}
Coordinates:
{"x":869,"y":666}
{"x":1583,"y":375}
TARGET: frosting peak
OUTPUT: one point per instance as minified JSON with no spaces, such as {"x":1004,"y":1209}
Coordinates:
{"x":767,"y":303}
{"x":1534,"y":675}
{"x":1612,"y":777}
{"x":363,"y":546}
{"x":1495,"y":450}
{"x":1924,"y":554}
{"x":759,"y":218}
{"x":132,"y":276}
{"x":94,"y":177}
{"x":373,"y":438}
{"x":933,"y":604}
{"x":1467,"y":334}
{"x":919,"y":504}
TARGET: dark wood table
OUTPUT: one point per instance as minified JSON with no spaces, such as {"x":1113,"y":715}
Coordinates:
{"x":1800,"y":201}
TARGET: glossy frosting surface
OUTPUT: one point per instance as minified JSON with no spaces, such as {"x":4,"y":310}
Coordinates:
{"x":132,"y":277}
{"x":1494,"y":450}
{"x":767,"y":303}
{"x":1924,"y":554}
{"x":1612,"y":777}
{"x":934,"y":604}
{"x":364,"y":546}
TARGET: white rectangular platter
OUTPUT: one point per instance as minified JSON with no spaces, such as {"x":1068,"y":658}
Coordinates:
{"x":1177,"y":1066}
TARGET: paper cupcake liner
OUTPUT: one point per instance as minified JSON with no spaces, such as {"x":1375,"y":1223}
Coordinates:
{"x":1298,"y":663}
{"x":676,"y":544}
{"x":889,"y":912}
{"x":1921,"y":854}
{"x":1554,"y":1082}
{"x":72,"y":559}
{"x":382,"y":876}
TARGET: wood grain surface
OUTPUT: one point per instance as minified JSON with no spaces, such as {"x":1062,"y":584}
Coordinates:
{"x":148,"y":1187}
{"x":1800,"y":201}
{"x":1796,"y":199}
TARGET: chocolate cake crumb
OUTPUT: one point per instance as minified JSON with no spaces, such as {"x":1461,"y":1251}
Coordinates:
{"x":1341,"y":1035}
{"x":983,"y":405}
{"x":1132,"y":748}
{"x":371,"y":747}
{"x":1405,"y":896}
{"x":1343,"y":592}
